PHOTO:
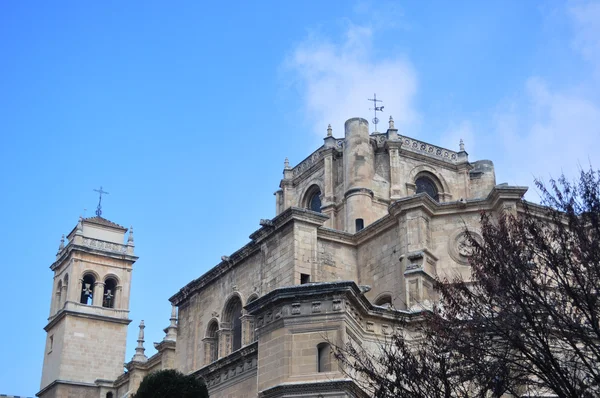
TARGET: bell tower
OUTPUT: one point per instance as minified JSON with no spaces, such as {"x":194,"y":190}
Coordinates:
{"x":89,"y":310}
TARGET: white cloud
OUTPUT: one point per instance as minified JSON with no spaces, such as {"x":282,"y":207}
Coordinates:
{"x":550,"y":131}
{"x":585,"y":17}
{"x":336,"y":79}
{"x":546,"y":129}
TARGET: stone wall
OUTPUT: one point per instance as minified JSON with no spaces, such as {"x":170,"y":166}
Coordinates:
{"x":276,"y":257}
{"x":380,"y":267}
{"x":91,"y":352}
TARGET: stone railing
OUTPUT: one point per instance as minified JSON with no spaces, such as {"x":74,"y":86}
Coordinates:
{"x":236,"y":365}
{"x":96,"y":310}
{"x":307,"y":163}
{"x":424,"y":148}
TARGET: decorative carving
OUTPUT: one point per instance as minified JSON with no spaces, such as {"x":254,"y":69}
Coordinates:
{"x":316,"y":306}
{"x":427,"y":149}
{"x":370,"y":326}
{"x":103,"y":245}
{"x":337,"y":305}
{"x":296,"y":309}
{"x":459,"y":248}
{"x":327,"y":258}
{"x":307,"y":163}
{"x":385,"y":329}
{"x":465,"y":248}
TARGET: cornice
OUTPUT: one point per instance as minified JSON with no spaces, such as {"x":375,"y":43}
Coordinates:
{"x":433,"y":208}
{"x":295,"y":214}
{"x":291,"y":213}
{"x":348,"y":290}
{"x":67,"y":382}
{"x":63,"y":313}
{"x":505,"y":192}
{"x":315,"y":387}
{"x":72,"y":247}
{"x":336,"y":236}
{"x":233,"y":368}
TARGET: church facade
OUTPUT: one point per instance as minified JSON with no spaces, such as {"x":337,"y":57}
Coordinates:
{"x":363,"y":226}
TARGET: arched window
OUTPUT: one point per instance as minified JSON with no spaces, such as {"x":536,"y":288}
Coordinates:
{"x":313,"y":199}
{"x":65,"y":290}
{"x":110,"y":288}
{"x":58,"y":302}
{"x":233,"y":313}
{"x":212,"y":344}
{"x":425,"y":184}
{"x":323,"y":357}
{"x":109,"y":395}
{"x":384,"y":300}
{"x":87,"y":289}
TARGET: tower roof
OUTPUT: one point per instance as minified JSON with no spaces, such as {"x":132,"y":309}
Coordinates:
{"x":103,"y":221}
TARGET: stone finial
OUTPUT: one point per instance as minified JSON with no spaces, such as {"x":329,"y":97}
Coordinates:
{"x":462,"y":145}
{"x":62,"y":243}
{"x":171,"y":330}
{"x":391,"y":123}
{"x":329,"y":130}
{"x":286,"y":164}
{"x":79,"y":230}
{"x":130,"y":237}
{"x":139,"y":355}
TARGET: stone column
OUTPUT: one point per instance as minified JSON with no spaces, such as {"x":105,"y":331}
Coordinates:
{"x":359,"y":170}
{"x":395,"y":169}
{"x":118,"y":296}
{"x":210,"y":349}
{"x":56,"y":301}
{"x":63,"y":296}
{"x":224,"y":336}
{"x":328,"y":202}
{"x":97,"y":294}
{"x":247,"y":329}
{"x":79,"y":289}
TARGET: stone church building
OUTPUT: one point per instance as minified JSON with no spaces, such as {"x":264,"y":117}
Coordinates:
{"x":363,"y":225}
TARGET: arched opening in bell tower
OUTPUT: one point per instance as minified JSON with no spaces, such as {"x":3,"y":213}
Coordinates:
{"x":87,"y":289}
{"x":110,"y":288}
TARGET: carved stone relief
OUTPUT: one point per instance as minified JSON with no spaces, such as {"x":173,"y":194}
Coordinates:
{"x":459,"y":247}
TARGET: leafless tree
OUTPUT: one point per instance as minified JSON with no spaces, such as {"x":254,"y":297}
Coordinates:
{"x":526,"y":323}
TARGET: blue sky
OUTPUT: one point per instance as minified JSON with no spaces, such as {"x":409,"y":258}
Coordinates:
{"x":184,"y":112}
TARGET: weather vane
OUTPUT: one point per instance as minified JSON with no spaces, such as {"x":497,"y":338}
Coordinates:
{"x":376,"y":109}
{"x":99,"y":208}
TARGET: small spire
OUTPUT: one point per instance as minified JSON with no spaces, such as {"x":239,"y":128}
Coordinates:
{"x":329,"y":130}
{"x":286,"y":164}
{"x":391,"y":123}
{"x":130,"y":237}
{"x":139,"y":350}
{"x":171,"y":330}
{"x":62,"y":243}
{"x":79,"y":230}
{"x":462,"y":145}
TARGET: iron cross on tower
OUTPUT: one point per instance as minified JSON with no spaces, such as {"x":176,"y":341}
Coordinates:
{"x":376,"y":109}
{"x":99,"y":208}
